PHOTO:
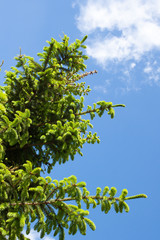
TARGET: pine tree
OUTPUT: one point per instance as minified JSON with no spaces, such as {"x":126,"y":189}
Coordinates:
{"x":42,"y":124}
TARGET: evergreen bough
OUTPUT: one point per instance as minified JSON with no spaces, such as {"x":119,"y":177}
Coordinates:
{"x":41,"y":124}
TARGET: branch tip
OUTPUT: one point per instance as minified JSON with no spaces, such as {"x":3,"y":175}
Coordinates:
{"x":2,"y":63}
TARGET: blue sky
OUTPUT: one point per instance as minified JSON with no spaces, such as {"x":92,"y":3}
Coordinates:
{"x":124,"y":47}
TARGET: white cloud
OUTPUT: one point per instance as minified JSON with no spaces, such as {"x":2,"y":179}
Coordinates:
{"x":34,"y":235}
{"x":120,"y":30}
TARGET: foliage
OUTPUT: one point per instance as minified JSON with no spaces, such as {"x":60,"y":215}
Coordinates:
{"x":41,"y":124}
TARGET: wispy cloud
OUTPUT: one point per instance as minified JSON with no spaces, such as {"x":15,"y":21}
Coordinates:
{"x":103,"y":88}
{"x":152,"y":70}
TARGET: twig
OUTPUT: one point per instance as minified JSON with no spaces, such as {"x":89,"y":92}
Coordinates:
{"x":2,"y":63}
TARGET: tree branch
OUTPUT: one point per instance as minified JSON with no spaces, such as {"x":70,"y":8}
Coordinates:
{"x":83,"y":197}
{"x":82,"y":76}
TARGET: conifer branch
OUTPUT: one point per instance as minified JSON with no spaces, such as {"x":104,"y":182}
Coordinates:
{"x":81,"y":76}
{"x":86,"y":74}
{"x":52,"y":201}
